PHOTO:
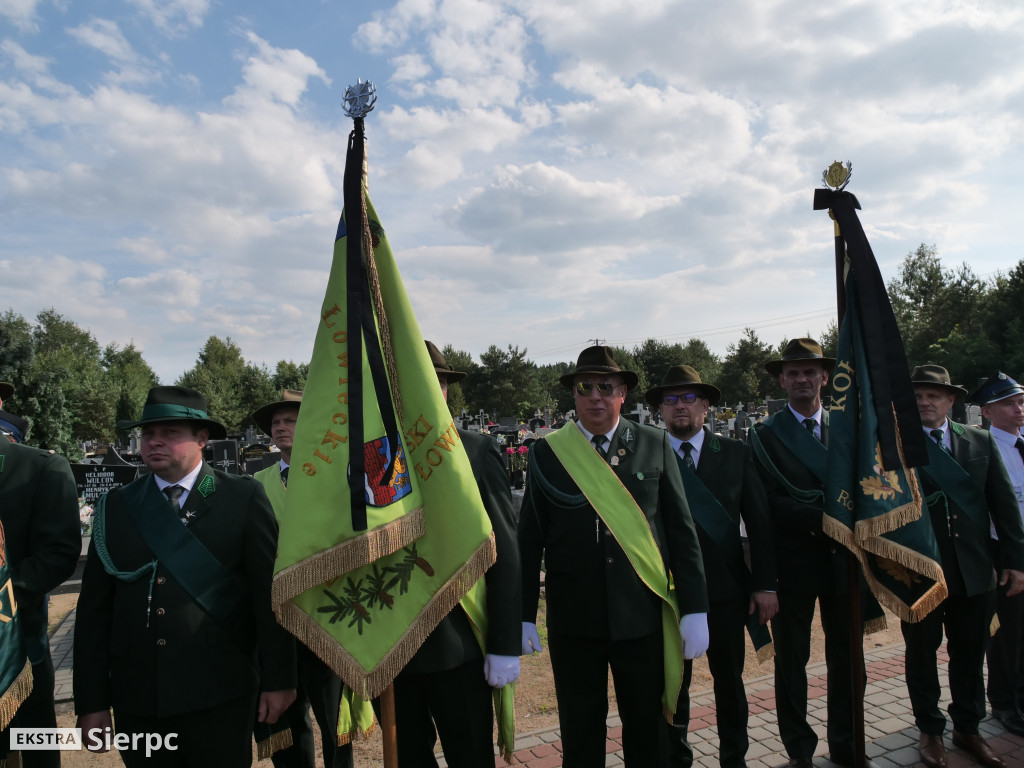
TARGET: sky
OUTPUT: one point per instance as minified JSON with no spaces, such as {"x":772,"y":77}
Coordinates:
{"x":548,"y":173}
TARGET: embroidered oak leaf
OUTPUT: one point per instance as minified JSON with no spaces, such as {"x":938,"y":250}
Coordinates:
{"x":898,"y":572}
{"x":885,"y":485}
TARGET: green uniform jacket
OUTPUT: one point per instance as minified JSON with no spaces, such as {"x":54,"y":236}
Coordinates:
{"x":808,"y":560}
{"x":39,"y":512}
{"x":591,"y":588}
{"x":975,"y":450}
{"x":731,"y":477}
{"x":184,"y":660}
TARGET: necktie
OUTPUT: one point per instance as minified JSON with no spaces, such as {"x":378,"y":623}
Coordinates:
{"x":599,"y":441}
{"x":687,"y":456}
{"x":284,"y":477}
{"x":173,"y":493}
{"x":937,"y":435}
{"x":811,"y":424}
{"x":1020,"y":447}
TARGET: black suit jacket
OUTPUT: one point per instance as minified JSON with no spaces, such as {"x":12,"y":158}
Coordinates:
{"x":39,"y":513}
{"x":808,"y":560}
{"x":452,"y":642}
{"x":591,"y":587}
{"x":976,"y":451}
{"x":184,"y":660}
{"x":731,"y":477}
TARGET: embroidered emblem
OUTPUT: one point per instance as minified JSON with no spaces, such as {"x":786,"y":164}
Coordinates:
{"x":715,"y":445}
{"x":206,"y":487}
{"x":884,"y":485}
{"x":627,"y":435}
{"x":615,"y":461}
{"x":376,"y":457}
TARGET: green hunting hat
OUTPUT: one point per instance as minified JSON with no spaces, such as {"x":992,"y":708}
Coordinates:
{"x":441,"y":365}
{"x":176,"y":404}
{"x":679,"y":376}
{"x":799,"y":349}
{"x":935,"y":376}
{"x":598,"y":360}
{"x":264,"y":415}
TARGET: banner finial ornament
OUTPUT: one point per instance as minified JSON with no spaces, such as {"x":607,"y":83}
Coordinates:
{"x":837,"y":175}
{"x":360,"y":99}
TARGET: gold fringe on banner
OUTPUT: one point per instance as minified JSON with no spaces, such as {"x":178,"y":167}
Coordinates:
{"x":346,"y":556}
{"x":369,"y":684}
{"x":15,"y":695}
{"x":766,"y":652}
{"x":281,"y":740}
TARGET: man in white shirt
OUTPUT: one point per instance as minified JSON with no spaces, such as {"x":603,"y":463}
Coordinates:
{"x":1002,"y":403}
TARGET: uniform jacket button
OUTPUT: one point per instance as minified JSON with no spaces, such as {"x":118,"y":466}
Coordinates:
{"x":610,"y":560}
{"x":160,"y":611}
{"x":161,"y":642}
{"x":161,"y":580}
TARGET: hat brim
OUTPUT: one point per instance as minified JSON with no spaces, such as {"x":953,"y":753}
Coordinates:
{"x":774,"y":367}
{"x":958,"y":391}
{"x":629,"y":378}
{"x":264,"y":415}
{"x":217,"y":430}
{"x":709,"y":392}
{"x":453,"y":377}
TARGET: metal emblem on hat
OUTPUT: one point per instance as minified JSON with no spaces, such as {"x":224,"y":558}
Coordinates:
{"x":359,"y":99}
{"x":837,"y":175}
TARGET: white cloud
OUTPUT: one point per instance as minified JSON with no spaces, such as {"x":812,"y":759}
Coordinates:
{"x":174,"y":16}
{"x":21,"y":13}
{"x":105,"y":36}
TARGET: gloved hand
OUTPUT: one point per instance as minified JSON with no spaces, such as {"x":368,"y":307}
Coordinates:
{"x":693,"y":628}
{"x":531,"y":640}
{"x":500,"y":670}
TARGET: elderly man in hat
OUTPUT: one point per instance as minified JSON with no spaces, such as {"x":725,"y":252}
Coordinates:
{"x":967,"y":489}
{"x":790,"y":447}
{"x":39,"y":521}
{"x":1002,"y":403}
{"x":446,"y":688}
{"x":605,"y":509}
{"x":175,"y":629}
{"x":319,"y":688}
{"x":722,"y":488}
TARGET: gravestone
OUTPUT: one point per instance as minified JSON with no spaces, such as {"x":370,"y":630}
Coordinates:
{"x":93,"y":480}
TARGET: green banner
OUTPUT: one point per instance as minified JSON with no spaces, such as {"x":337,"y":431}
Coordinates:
{"x":874,"y":511}
{"x":15,"y":670}
{"x":365,"y":599}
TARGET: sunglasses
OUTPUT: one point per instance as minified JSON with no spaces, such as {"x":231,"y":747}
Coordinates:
{"x":586,"y":387}
{"x":689,"y":398}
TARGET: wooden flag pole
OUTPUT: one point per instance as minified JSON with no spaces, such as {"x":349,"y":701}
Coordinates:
{"x":387,"y":725}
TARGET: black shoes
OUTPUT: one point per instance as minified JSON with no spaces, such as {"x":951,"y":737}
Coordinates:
{"x":1011,"y":720}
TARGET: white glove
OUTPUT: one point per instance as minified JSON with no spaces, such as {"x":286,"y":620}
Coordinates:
{"x":500,"y":670}
{"x":531,"y":640}
{"x":693,"y":628}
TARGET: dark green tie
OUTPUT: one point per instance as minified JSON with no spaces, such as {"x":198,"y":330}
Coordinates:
{"x":284,"y":477}
{"x":937,"y":435}
{"x":173,"y":493}
{"x":599,"y":441}
{"x":687,"y":456}
{"x":811,"y":424}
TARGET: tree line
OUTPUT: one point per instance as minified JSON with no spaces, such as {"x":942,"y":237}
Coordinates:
{"x":72,"y":390}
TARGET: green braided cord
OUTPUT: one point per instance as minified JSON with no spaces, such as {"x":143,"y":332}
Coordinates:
{"x":798,"y":494}
{"x":562,"y":499}
{"x":937,"y":497}
{"x":171,"y":411}
{"x":99,"y":543}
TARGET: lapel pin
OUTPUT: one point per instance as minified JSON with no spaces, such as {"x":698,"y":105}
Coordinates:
{"x":615,"y":461}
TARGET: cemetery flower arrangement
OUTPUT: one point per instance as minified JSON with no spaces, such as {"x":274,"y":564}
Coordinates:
{"x":85,"y":516}
{"x":517,"y":456}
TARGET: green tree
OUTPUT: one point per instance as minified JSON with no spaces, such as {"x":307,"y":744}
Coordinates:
{"x":288,"y":375}
{"x":459,"y":360}
{"x":698,"y":355}
{"x":656,"y":357}
{"x":557,"y":396}
{"x":506,"y":383}
{"x":744,"y":379}
{"x":130,"y":378}
{"x":233,"y":388}
{"x":628,"y":362}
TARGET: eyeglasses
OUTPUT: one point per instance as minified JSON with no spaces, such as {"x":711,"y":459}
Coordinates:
{"x":687,"y":397}
{"x":586,"y":387}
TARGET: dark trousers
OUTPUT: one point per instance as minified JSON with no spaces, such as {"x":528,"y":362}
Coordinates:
{"x":37,"y":712}
{"x":455,"y":705}
{"x":791,"y":630}
{"x":318,"y":689}
{"x":726,"y":654}
{"x":216,"y":737}
{"x":580,"y":666}
{"x":966,"y":623}
{"x":1006,"y":649}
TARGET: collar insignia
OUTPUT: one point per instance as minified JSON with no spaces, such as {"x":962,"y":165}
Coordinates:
{"x":627,"y":435}
{"x":206,"y":487}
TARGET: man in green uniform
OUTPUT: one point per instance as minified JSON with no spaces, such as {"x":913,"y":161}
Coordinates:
{"x":722,"y":489}
{"x":790,"y":447}
{"x":175,"y":629}
{"x":605,"y":509}
{"x":319,"y":688}
{"x":966,"y":488}
{"x":445,"y":691}
{"x":39,"y":514}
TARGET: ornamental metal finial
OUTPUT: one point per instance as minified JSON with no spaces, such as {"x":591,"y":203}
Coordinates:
{"x":837,"y":176}
{"x":359,"y":99}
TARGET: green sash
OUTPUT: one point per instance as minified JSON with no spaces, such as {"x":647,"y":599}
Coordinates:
{"x":712,"y":518}
{"x":956,"y":484}
{"x":807,"y":448}
{"x":15,"y":668}
{"x":628,"y":524}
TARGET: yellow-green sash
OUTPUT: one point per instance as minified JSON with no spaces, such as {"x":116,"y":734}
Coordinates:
{"x":628,"y":524}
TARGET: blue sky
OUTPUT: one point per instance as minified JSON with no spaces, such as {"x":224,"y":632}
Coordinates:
{"x":548,"y":172}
